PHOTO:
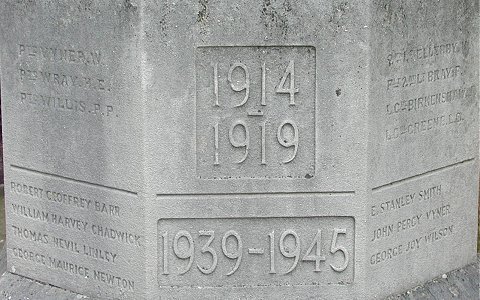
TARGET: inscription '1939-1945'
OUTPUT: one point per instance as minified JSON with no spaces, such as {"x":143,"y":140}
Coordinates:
{"x":314,"y":253}
{"x":250,"y":250}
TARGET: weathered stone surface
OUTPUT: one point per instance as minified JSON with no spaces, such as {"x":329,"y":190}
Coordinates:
{"x":268,"y":149}
{"x":423,"y":141}
{"x":72,"y":106}
{"x":458,"y":284}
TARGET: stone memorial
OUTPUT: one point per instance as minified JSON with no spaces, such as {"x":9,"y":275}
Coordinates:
{"x":240,"y":149}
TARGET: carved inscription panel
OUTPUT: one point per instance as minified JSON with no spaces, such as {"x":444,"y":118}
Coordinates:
{"x":427,"y":88}
{"x":57,"y":79}
{"x":62,"y":92}
{"x":255,"y":251}
{"x":255,"y":112}
{"x":75,"y":232}
{"x":423,"y":107}
{"x":425,"y":224}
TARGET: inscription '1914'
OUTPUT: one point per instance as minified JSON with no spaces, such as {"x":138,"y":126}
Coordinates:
{"x":255,"y":112}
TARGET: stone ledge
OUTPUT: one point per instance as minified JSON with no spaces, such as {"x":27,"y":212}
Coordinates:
{"x":458,"y":284}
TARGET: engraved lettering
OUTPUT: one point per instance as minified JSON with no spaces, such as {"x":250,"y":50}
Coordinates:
{"x":424,"y":77}
{"x":240,"y":144}
{"x":291,"y":90}
{"x":252,"y":124}
{"x":432,"y":51}
{"x":59,"y":55}
{"x":63,"y":80}
{"x":295,"y":247}
{"x":237,"y":254}
{"x":245,"y":86}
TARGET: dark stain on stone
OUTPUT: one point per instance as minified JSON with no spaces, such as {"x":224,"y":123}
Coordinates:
{"x":465,"y":48}
{"x":338,"y":18}
{"x":85,"y":5}
{"x":129,"y":5}
{"x":274,"y":15}
{"x":203,"y":12}
{"x":163,"y":21}
{"x":25,"y":6}
{"x":395,"y":17}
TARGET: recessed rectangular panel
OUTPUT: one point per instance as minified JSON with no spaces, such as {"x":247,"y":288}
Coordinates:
{"x":255,"y":111}
{"x":240,"y":252}
{"x":255,"y":97}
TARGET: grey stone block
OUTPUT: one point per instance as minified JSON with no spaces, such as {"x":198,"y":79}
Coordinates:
{"x":274,"y":149}
{"x":458,"y":284}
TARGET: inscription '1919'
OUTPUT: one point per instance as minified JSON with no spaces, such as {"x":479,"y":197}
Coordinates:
{"x":255,"y":251}
{"x":245,"y":143}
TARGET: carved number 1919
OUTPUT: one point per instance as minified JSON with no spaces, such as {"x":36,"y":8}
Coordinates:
{"x":283,"y":140}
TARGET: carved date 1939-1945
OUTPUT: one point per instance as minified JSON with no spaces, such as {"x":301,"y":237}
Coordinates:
{"x":181,"y":246}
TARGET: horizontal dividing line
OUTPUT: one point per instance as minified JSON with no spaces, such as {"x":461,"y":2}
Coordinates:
{"x":255,"y":113}
{"x":15,"y":167}
{"x":397,"y":182}
{"x":256,"y":251}
{"x":257,"y":216}
{"x":257,"y":46}
{"x":253,"y":195}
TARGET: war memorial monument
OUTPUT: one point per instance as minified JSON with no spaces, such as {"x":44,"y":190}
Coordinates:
{"x":220,"y":149}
